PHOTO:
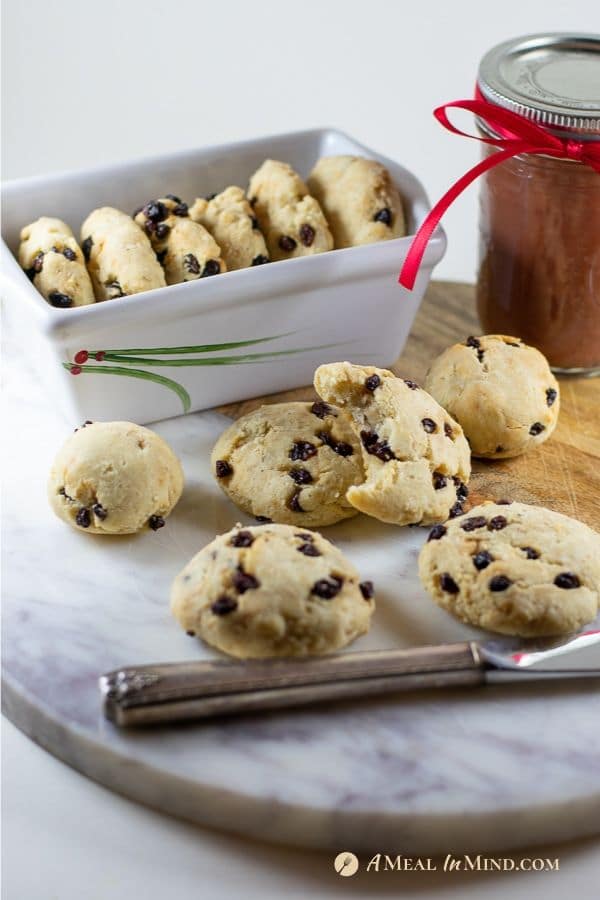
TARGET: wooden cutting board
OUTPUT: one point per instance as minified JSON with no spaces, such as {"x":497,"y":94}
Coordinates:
{"x":564,"y":474}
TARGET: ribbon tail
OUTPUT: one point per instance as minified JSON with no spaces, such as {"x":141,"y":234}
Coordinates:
{"x":410,"y":268}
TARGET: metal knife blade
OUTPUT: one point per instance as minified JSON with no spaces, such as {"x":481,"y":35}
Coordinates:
{"x":576,"y":655}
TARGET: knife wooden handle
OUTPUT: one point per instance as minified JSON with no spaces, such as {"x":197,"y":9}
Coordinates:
{"x":169,"y":692}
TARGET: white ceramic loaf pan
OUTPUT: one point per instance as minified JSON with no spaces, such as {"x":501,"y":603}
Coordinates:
{"x":240,"y":334}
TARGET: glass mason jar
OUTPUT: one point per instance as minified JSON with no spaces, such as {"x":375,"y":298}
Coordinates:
{"x":539,"y":256}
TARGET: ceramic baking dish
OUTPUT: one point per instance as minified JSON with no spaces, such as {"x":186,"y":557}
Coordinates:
{"x":237,"y":335}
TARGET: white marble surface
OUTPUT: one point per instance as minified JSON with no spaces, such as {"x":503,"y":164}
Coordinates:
{"x":93,"y":845}
{"x":442,"y":771}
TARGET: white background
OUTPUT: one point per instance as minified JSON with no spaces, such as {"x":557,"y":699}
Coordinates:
{"x":90,"y":83}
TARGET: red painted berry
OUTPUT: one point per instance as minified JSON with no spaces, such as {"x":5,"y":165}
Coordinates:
{"x":81,"y":357}
{"x":100,"y":355}
{"x":75,"y":370}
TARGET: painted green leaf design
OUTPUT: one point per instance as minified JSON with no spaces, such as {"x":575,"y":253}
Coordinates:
{"x":197,"y":348}
{"x":138,"y":373}
{"x":127,"y":359}
{"x":211,"y":360}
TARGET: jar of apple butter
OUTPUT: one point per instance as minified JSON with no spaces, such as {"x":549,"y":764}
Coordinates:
{"x":539,"y":260}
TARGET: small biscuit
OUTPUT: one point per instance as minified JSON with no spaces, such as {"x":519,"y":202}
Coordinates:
{"x":272,"y":590}
{"x":291,"y":220}
{"x":53,"y":260}
{"x":119,"y":255}
{"x":115,"y":478}
{"x":500,"y":390}
{"x":290,"y":462}
{"x":231,"y":221}
{"x":361,"y":202}
{"x":515,"y":569}
{"x":186,"y":250}
{"x":416,"y":458}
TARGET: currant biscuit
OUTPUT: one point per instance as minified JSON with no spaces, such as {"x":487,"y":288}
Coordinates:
{"x":360,"y":201}
{"x":115,"y":478}
{"x":291,"y":220}
{"x":185,"y":249}
{"x":416,"y":458}
{"x":53,"y":260}
{"x":290,"y":462}
{"x":272,"y":590}
{"x":231,"y":220}
{"x":500,"y":390}
{"x":515,"y":569}
{"x":119,"y":255}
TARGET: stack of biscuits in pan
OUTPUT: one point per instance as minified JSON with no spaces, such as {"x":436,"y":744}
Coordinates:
{"x":347,"y":201}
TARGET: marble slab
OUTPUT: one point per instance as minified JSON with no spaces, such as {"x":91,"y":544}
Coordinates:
{"x":444,"y":771}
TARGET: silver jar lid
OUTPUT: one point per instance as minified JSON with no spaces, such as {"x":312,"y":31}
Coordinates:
{"x":553,"y":79}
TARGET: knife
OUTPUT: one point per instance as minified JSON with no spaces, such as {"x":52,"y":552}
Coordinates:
{"x":169,"y":692}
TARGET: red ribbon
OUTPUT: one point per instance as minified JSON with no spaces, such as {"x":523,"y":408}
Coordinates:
{"x":517,"y":135}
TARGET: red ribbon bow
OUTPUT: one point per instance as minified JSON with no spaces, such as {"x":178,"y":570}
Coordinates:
{"x":517,"y":135}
